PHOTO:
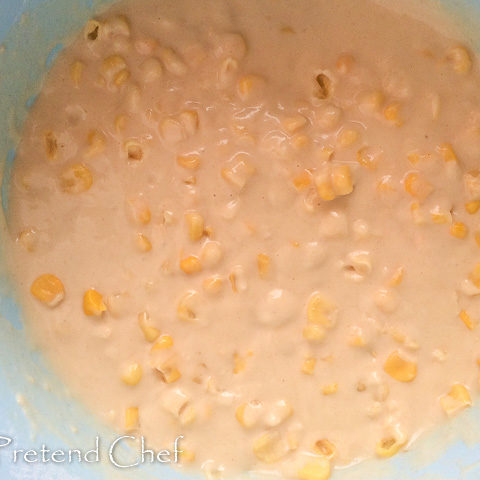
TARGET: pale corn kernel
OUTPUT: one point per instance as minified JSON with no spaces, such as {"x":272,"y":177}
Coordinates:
{"x":51,"y":146}
{"x":417,"y":186}
{"x":93,"y":304}
{"x":342,"y":180}
{"x":278,"y":413}
{"x":190,"y":121}
{"x":143,"y":243}
{"x":318,"y":310}
{"x":139,"y":210}
{"x":112,"y":65}
{"x":169,"y":374}
{"x":213,"y":285}
{"x":475,"y":275}
{"x":152,"y":70}
{"x":121,"y":77}
{"x":302,"y":181}
{"x":131,"y":418}
{"x":190,"y":265}
{"x":389,"y":446}
{"x":92,"y":30}
{"x":472,"y":207}
{"x":330,"y":389}
{"x":356,"y":337}
{"x":118,"y":25}
{"x":458,"y":230}
{"x":150,"y":332}
{"x":118,"y":304}
{"x":174,"y":401}
{"x":347,"y":138}
{"x":187,"y":415}
{"x":120,"y":123}
{"x":370,"y":102}
{"x":300,"y":141}
{"x":295,"y":123}
{"x":238,"y":172}
{"x":392,"y":114}
{"x":308,"y":366}
{"x":385,"y":184}
{"x":325,"y":448}
{"x":249,"y":85}
{"x":248,"y":414}
{"x":96,"y":143}
{"x":211,"y":254}
{"x":471,"y":181}
{"x":323,"y":86}
{"x":28,"y":238}
{"x":76,"y":72}
{"x":270,"y":447}
{"x":397,"y":277}
{"x":467,"y":320}
{"x":187,"y":305}
{"x":460,"y":59}
{"x":440,"y":216}
{"x":163,"y":342}
{"x":399,"y":368}
{"x":172,"y":62}
{"x":446,"y":150}
{"x":48,"y":289}
{"x":456,"y":400}
{"x":227,"y":71}
{"x":359,"y":264}
{"x":190,"y":162}
{"x":263,"y":265}
{"x":314,"y":333}
{"x":133,"y":149}
{"x":171,"y":130}
{"x":239,"y":363}
{"x":132,"y":374}
{"x":368,"y":157}
{"x":317,"y":469}
{"x":324,"y":186}
{"x":196,"y":225}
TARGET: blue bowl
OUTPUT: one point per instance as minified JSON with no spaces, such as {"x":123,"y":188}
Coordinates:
{"x":35,"y":407}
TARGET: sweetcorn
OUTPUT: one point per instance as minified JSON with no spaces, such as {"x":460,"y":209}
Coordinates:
{"x":456,"y":400}
{"x":48,"y":289}
{"x":93,"y":304}
{"x":270,"y":447}
{"x":195,"y":225}
{"x":132,"y":374}
{"x":390,"y":445}
{"x":76,"y":179}
{"x":131,"y":418}
{"x":308,"y":366}
{"x":318,"y":469}
{"x":325,"y":447}
{"x":400,"y":369}
{"x":191,"y":265}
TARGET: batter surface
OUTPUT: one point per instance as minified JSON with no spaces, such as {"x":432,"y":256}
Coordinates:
{"x":254,"y":224}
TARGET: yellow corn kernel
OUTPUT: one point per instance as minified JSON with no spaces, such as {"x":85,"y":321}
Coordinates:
{"x":314,"y":333}
{"x":324,"y":187}
{"x":186,"y":306}
{"x":133,"y":150}
{"x":92,"y":30}
{"x":248,"y":414}
{"x":466,"y":319}
{"x":446,"y":150}
{"x":370,"y":102}
{"x":248,"y":85}
{"x":76,"y":72}
{"x":196,"y":225}
{"x":139,"y":210}
{"x":347,"y":138}
{"x":132,"y":374}
{"x":48,"y":289}
{"x":295,"y":123}
{"x":191,"y":265}
{"x":384,"y":184}
{"x":238,"y":173}
{"x":270,"y":447}
{"x":475,"y":275}
{"x":263,"y":264}
{"x":143,"y":243}
{"x":186,"y":456}
{"x":112,"y":65}
{"x":325,"y":447}
{"x":399,"y":368}
{"x":302,"y":182}
{"x":120,"y":123}
{"x":458,"y":230}
{"x":131,"y":418}
{"x":308,"y":366}
{"x":368,"y":158}
{"x":330,"y":389}
{"x":93,"y":304}
{"x":121,"y":77}
{"x":392,"y":114}
{"x":460,"y":59}
{"x":190,"y":162}
{"x":76,"y":179}
{"x":356,"y":337}
{"x":417,"y":186}
{"x":169,"y":374}
{"x":472,"y":207}
{"x":457,"y":399}
{"x":213,"y":285}
{"x":163,"y":342}
{"x":318,"y":309}
{"x":96,"y":141}
{"x":318,"y":469}
{"x":239,"y":363}
{"x":389,"y":446}
{"x":439,"y":216}
{"x":397,"y":277}
{"x":150,"y":332}
{"x":190,"y":121}
{"x":342,"y":180}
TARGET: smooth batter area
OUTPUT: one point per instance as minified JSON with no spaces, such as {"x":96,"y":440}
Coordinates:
{"x":254,"y":223}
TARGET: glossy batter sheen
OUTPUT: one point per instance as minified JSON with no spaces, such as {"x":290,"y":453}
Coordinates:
{"x":254,"y":223}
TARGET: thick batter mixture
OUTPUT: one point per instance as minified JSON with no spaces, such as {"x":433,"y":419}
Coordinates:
{"x":256,"y":224}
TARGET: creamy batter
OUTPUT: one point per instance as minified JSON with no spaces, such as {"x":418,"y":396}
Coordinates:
{"x":254,"y":223}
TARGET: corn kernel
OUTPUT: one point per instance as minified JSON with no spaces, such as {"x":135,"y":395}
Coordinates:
{"x":308,"y":366}
{"x":389,"y":446}
{"x":440,"y":216}
{"x":460,"y":59}
{"x":270,"y":447}
{"x":28,"y":239}
{"x":191,"y":265}
{"x":347,"y":138}
{"x":314,"y":333}
{"x":325,"y":448}
{"x":248,"y":85}
{"x":172,"y":62}
{"x":368,"y":157}
{"x":131,"y":418}
{"x":458,"y":230}
{"x":302,"y":182}
{"x":112,"y":65}
{"x":397,"y":277}
{"x":295,"y":123}
{"x":318,"y":309}
{"x":318,"y":469}
{"x":151,"y":70}
{"x":169,"y":374}
{"x":324,"y":187}
{"x":370,"y":102}
{"x":238,"y":172}
{"x":417,"y":186}
{"x":213,"y":285}
{"x":163,"y":342}
{"x":134,"y":150}
{"x":150,"y":332}
{"x":392,"y":114}
{"x":475,"y":275}
{"x":457,"y":399}
{"x":92,"y":30}
{"x":467,"y":320}
{"x":186,"y":456}
{"x":171,"y":130}
{"x":330,"y":389}
{"x":263,"y":265}
{"x":190,"y":121}
{"x":342,"y":180}
{"x":139,"y":210}
{"x":121,"y":77}
{"x":400,"y":369}
{"x":76,"y":179}
{"x":190,"y":162}
{"x":120,"y":123}
{"x":187,"y":415}
{"x":93,"y":304}
{"x":96,"y":141}
{"x":187,"y":305}
{"x":278,"y":413}
{"x":471,"y":181}
{"x":48,"y":289}
{"x":446,"y":150}
{"x":76,"y":72}
{"x":472,"y":207}
{"x":248,"y":414}
{"x":143,"y":243}
{"x":132,"y":374}
{"x":196,"y":225}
